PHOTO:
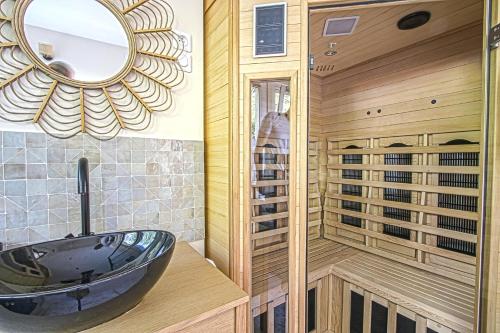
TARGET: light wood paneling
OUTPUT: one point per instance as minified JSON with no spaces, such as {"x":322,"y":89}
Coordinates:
{"x":218,"y":131}
{"x":315,"y":91}
{"x":383,"y":94}
{"x":315,"y":207}
{"x":377,"y":34}
{"x":491,"y":267}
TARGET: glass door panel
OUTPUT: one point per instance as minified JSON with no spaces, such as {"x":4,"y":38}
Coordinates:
{"x":270,"y":134}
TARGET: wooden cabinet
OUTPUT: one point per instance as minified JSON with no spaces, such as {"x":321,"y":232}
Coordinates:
{"x":191,"y":296}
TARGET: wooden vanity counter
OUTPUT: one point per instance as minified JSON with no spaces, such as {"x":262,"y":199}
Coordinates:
{"x":191,"y":296}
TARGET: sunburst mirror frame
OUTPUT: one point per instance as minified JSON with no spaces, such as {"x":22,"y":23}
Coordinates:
{"x":30,"y":91}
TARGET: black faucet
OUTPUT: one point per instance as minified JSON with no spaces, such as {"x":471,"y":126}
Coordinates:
{"x":83,"y":190}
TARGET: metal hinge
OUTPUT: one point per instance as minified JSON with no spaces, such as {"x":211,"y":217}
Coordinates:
{"x":494,"y":39}
{"x":311,"y":62}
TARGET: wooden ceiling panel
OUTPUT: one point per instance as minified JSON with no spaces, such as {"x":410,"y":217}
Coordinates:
{"x":377,"y":33}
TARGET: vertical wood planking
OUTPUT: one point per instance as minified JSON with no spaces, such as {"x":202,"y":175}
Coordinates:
{"x":367,"y":312}
{"x":217,"y":132}
{"x":421,"y":325}
{"x":346,"y":307}
{"x":392,"y":318}
{"x":335,"y":304}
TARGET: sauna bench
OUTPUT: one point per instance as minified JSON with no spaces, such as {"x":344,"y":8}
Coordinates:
{"x":433,"y":301}
{"x":270,"y":270}
{"x":191,"y":296}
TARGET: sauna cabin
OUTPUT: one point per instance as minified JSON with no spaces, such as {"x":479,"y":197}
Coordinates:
{"x":350,"y":163}
{"x":393,"y":172}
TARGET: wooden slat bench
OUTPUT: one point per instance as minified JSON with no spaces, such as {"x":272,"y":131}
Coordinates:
{"x":428,"y":295}
{"x":335,"y":271}
{"x":270,"y":271}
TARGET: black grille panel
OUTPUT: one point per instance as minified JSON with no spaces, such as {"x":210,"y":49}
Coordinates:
{"x":457,"y":224}
{"x":456,"y":245}
{"x":459,"y":159}
{"x":398,"y":195}
{"x":351,"y":205}
{"x":352,"y":159}
{"x":355,"y":207}
{"x":396,"y":231}
{"x":397,"y":214}
{"x":458,"y":202}
{"x":355,"y":190}
{"x":397,"y":177}
{"x":352,"y":174}
{"x":459,"y":180}
{"x":350,"y":220}
{"x":398,"y":159}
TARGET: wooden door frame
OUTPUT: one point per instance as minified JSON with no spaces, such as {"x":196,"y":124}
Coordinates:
{"x":235,"y":245}
{"x":488,"y":310}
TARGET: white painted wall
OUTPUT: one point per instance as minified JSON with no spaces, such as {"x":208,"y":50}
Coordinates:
{"x":185,"y":120}
{"x":103,"y":62}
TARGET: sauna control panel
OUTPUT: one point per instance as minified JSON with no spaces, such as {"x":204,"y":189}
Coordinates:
{"x":269,"y":30}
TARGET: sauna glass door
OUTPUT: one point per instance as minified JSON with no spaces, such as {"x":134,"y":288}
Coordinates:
{"x":269,"y":145}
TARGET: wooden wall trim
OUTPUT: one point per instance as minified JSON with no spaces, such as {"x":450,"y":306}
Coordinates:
{"x":490,"y":297}
{"x":207,"y":4}
{"x":234,"y":160}
{"x":300,"y":272}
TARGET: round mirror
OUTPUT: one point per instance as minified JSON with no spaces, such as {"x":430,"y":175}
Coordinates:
{"x":81,"y":40}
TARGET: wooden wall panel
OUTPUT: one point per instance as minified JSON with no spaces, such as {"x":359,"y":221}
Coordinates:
{"x":315,"y":91}
{"x":399,"y":88}
{"x":217,"y":132}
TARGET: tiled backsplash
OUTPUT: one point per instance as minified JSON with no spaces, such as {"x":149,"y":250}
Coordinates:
{"x":135,"y":183}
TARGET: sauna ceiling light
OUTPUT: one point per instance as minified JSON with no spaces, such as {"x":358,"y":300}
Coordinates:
{"x":414,"y":20}
{"x":340,"y":26}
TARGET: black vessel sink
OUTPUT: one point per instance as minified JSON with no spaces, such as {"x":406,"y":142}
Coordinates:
{"x":72,"y":284}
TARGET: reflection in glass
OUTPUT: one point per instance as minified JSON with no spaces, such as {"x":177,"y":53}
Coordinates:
{"x":270,"y":139}
{"x":85,"y":42}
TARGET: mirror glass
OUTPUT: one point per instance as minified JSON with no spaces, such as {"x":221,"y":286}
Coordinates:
{"x":80,"y":39}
